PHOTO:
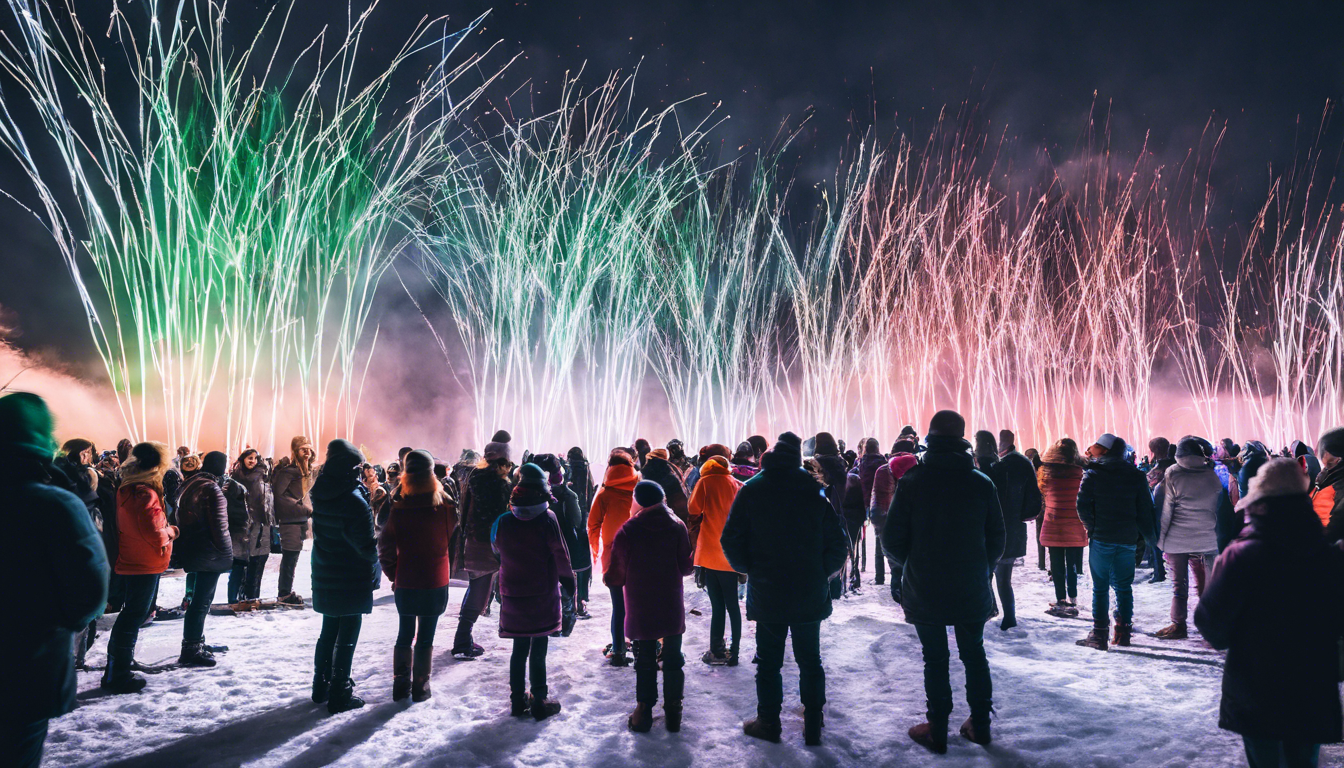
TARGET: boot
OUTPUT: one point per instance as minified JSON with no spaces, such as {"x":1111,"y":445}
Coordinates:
{"x":764,"y":727}
{"x":1173,"y":631}
{"x":714,"y":659}
{"x":322,"y":674}
{"x":931,"y":735}
{"x":812,"y":725}
{"x":672,"y":710}
{"x":543,"y":708}
{"x":195,"y":655}
{"x":401,"y":673}
{"x":1122,"y":635}
{"x":520,"y":704}
{"x":117,"y":678}
{"x":293,"y":598}
{"x":424,"y":664}
{"x":976,"y":732}
{"x":342,"y":698}
{"x":1096,"y":638}
{"x":463,"y":647}
{"x":567,"y":624}
{"x":641,"y":720}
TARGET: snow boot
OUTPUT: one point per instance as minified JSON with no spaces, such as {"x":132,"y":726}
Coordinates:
{"x":1122,"y":634}
{"x":423,"y":665}
{"x":168,"y":614}
{"x":813,"y":722}
{"x":672,"y":710}
{"x":195,"y":655}
{"x":118,"y":678}
{"x":520,"y":704}
{"x":291,"y":599}
{"x":463,"y":647}
{"x":641,"y":720}
{"x":764,"y":727}
{"x":714,"y":659}
{"x":543,"y":707}
{"x":567,"y":623}
{"x":1008,"y":623}
{"x":401,"y":673}
{"x":1172,"y":631}
{"x":342,"y":697}
{"x":931,"y":735}
{"x":976,"y":732}
{"x":1096,"y":638}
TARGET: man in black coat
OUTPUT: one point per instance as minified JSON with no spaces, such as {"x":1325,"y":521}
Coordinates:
{"x":1275,"y":601}
{"x":783,"y":533}
{"x":1014,"y":477}
{"x":52,"y":548}
{"x":204,"y":549}
{"x":1117,"y":510}
{"x":946,"y":529}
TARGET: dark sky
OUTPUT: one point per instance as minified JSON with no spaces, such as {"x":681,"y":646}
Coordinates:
{"x":1165,"y":69}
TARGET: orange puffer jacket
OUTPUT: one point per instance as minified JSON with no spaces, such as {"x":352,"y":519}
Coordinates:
{"x":611,"y":508}
{"x":1059,"y":495}
{"x":145,"y":539}
{"x":710,"y":502}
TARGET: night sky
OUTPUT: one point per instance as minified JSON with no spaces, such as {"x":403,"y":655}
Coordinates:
{"x":1034,"y":70}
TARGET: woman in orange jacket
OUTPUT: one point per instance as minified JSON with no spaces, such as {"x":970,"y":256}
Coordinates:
{"x":1062,"y":531}
{"x":611,"y":508}
{"x":144,"y":547}
{"x":709,"y":505}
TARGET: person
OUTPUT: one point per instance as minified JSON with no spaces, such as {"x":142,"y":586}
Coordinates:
{"x":658,"y":469}
{"x":1191,"y":499}
{"x":834,"y":474}
{"x":414,"y":553}
{"x":52,"y":550}
{"x":1061,"y":531}
{"x":144,"y":548}
{"x":1020,"y":501}
{"x":884,"y":488}
{"x":1253,"y":456}
{"x":71,"y":471}
{"x":380,"y":501}
{"x":1306,"y":458}
{"x":1160,"y":452}
{"x":640,"y":451}
{"x":676,"y":454}
{"x":345,"y":567}
{"x":291,"y":483}
{"x":484,"y":500}
{"x":783,"y":533}
{"x":458,"y":474}
{"x":251,"y":539}
{"x":565,"y":507}
{"x":1279,"y":689}
{"x":1327,"y":490}
{"x":533,"y":564}
{"x":611,"y":508}
{"x":854,"y":513}
{"x":650,"y":558}
{"x":581,"y":478}
{"x":1116,"y":509}
{"x":986,"y":451}
{"x":204,"y":548}
{"x":744,"y":464}
{"x":709,"y":507}
{"x":946,"y":529}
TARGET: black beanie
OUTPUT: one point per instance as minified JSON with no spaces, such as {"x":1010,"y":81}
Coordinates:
{"x":648,"y":493}
{"x":215,"y":463}
{"x":790,"y":448}
{"x":947,"y":424}
{"x":342,"y":457}
{"x":501,"y":437}
{"x":418,"y":463}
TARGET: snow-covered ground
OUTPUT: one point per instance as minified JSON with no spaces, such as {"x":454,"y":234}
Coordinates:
{"x":1057,"y":704}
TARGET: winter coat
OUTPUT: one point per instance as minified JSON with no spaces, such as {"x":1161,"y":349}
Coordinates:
{"x":292,"y":501}
{"x":884,"y":485}
{"x":203,"y":546}
{"x":144,"y":537}
{"x":345,"y":554}
{"x":784,"y":534}
{"x":55,"y":556}
{"x":1019,"y":498}
{"x":1327,"y":499}
{"x":1282,"y":641}
{"x":664,"y":474}
{"x":835,"y":474}
{"x":533,"y":564}
{"x":946,"y":528}
{"x":1253,"y":456}
{"x":413,"y":545}
{"x":1115,"y":504}
{"x":853,"y":504}
{"x":82,"y":481}
{"x":565,"y":507}
{"x":1060,"y":524}
{"x":743,"y":472}
{"x":611,"y":508}
{"x":260,"y":504}
{"x":581,"y":480}
{"x":709,"y":507}
{"x":1192,"y":501}
{"x":485,"y":500}
{"x":650,"y":559}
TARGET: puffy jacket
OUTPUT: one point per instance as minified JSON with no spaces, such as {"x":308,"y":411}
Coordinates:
{"x":1019,"y":498}
{"x":292,"y":502}
{"x":867,"y":467}
{"x":611,"y":508}
{"x":1327,"y":499}
{"x":1060,"y":524}
{"x":884,"y":485}
{"x":565,"y":506}
{"x":1115,"y":504}
{"x":204,"y":545}
{"x":485,"y":500}
{"x":144,"y":537}
{"x":650,"y":559}
{"x":345,"y":554}
{"x":1193,"y":501}
{"x":946,"y":528}
{"x":710,"y":504}
{"x":533,"y":564}
{"x":413,"y":545}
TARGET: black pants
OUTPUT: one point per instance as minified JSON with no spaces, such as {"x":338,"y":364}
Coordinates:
{"x":237,"y":579}
{"x":193,"y":625}
{"x":879,"y":557}
{"x":646,"y":671}
{"x":568,"y":602}
{"x":722,"y":589}
{"x":335,"y":650}
{"x":1065,"y":563}
{"x":529,"y":658}
{"x":937,"y":682}
{"x":140,"y":591}
{"x":617,"y":620}
{"x":1003,"y":579}
{"x":289,"y":561}
{"x":584,"y":577}
{"x":770,"y":654}
{"x":406,"y":631}
{"x":23,"y":743}
{"x":855,"y":530}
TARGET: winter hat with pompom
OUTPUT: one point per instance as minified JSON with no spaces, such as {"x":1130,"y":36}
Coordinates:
{"x":498,"y":447}
{"x":1278,"y":477}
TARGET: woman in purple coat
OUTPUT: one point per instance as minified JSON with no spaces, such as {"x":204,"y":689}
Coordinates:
{"x":533,"y":562}
{"x":650,"y":558}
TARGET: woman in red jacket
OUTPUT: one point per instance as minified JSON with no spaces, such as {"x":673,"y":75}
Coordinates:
{"x":611,"y":508}
{"x":413,"y":550}
{"x":1062,"y":532}
{"x":144,"y":547}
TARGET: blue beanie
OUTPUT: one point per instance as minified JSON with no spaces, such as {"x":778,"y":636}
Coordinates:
{"x":648,"y":493}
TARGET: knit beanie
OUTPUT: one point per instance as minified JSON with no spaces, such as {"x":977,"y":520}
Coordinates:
{"x":532,"y":488}
{"x":648,"y":493}
{"x":26,"y":426}
{"x":947,"y":424}
{"x":826,"y":445}
{"x":342,"y":457}
{"x":1191,"y":446}
{"x":1159,"y":447}
{"x":1278,"y":477}
{"x":789,"y":449}
{"x":215,"y":463}
{"x":904,"y":446}
{"x":1332,"y":441}
{"x":715,"y":449}
{"x":418,"y":463}
{"x":659,"y":453}
{"x":908,"y":431}
{"x":620,"y":456}
{"x":498,"y":447}
{"x":744,"y":454}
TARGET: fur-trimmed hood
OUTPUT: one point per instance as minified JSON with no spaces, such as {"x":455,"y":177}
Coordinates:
{"x":135,"y":470}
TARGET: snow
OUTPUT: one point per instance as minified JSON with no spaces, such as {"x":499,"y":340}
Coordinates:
{"x":1057,"y":705}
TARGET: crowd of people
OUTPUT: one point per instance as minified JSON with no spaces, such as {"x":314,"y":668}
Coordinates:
{"x":780,"y":525}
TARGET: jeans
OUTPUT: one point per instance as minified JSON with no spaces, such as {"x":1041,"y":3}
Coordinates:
{"x":1271,"y":753}
{"x":193,"y":625}
{"x":1181,"y":565}
{"x":1065,"y":563}
{"x":617,"y":620}
{"x":1003,"y":579}
{"x":722,"y":589}
{"x":23,"y":743}
{"x":406,"y":627}
{"x":646,"y":671}
{"x":937,"y":680}
{"x":140,"y":592}
{"x":1112,"y":567}
{"x":529,"y":656}
{"x":770,"y":654}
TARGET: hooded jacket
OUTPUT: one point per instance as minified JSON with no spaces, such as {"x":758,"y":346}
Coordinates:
{"x":564,"y":505}
{"x":532,"y":565}
{"x":144,"y":537}
{"x":260,"y":511}
{"x":291,"y":487}
{"x":1253,"y":456}
{"x":1193,"y":501}
{"x":710,"y":504}
{"x":650,"y":559}
{"x":1019,"y":498}
{"x":345,"y":553}
{"x":611,"y":508}
{"x":204,"y":545}
{"x":1114,"y":503}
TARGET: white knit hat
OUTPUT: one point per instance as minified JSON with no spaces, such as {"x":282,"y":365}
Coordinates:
{"x":1277,"y":477}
